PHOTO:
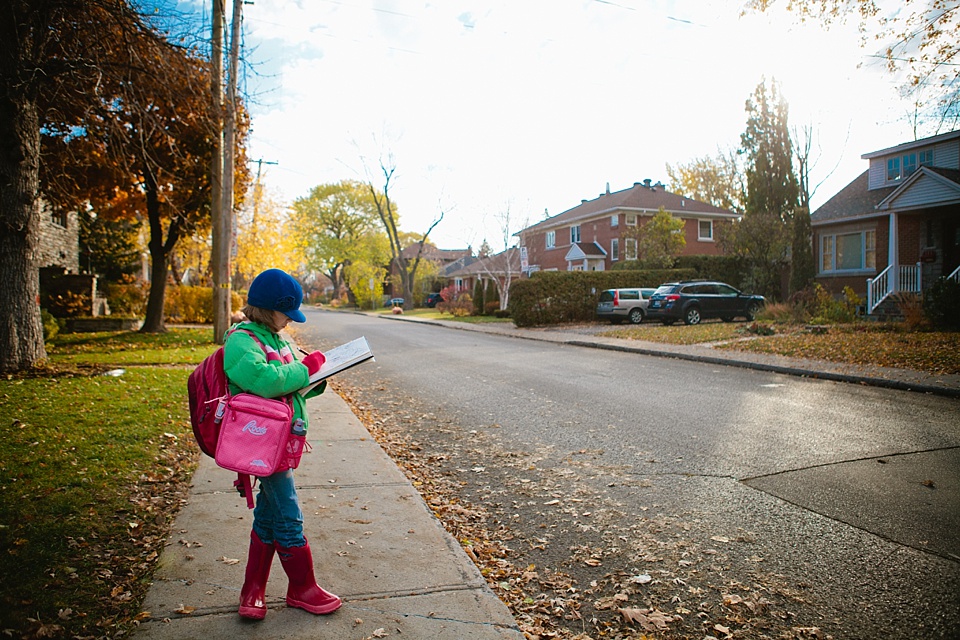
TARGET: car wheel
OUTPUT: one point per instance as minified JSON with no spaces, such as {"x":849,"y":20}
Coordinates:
{"x":692,"y":316}
{"x":752,"y":310}
{"x":636,"y":315}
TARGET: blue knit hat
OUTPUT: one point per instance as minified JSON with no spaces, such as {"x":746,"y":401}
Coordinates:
{"x":278,"y":291}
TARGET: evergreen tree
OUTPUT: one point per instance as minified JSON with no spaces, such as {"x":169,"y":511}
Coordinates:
{"x":762,"y":237}
{"x":478,"y":297}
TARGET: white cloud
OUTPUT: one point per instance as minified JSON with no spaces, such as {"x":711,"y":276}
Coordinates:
{"x":539,"y":104}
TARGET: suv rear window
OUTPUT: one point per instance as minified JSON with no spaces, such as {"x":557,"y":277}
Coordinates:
{"x":606,"y":296}
{"x":664,"y":289}
{"x":629,"y":294}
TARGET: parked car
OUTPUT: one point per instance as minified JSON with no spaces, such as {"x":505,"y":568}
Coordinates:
{"x":617,"y":305}
{"x":432,"y":300}
{"x":693,"y":301}
{"x":396,"y":302}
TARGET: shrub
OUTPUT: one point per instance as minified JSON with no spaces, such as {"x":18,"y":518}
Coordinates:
{"x":784,"y":313}
{"x":815,"y":304}
{"x":127,"y":299}
{"x":194,"y":304}
{"x":911,"y":306}
{"x":478,"y":297}
{"x":69,"y":305}
{"x":456,"y":303}
{"x":50,"y":325}
{"x":491,"y":307}
{"x":942,"y":304}
{"x":554,"y":297}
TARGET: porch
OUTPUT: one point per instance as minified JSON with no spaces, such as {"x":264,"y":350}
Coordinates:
{"x":898,"y":279}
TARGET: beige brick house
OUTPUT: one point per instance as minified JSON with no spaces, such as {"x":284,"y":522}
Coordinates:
{"x":591,"y":236}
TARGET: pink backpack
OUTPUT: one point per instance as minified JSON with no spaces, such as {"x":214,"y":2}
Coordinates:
{"x":243,"y":433}
{"x":207,"y":385}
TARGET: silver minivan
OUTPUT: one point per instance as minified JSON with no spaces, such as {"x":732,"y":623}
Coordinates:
{"x":617,"y":305}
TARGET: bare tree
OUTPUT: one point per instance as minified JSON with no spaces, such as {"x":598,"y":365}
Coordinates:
{"x":503,"y":267}
{"x":386,"y":209}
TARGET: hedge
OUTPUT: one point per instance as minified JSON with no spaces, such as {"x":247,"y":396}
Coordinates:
{"x":557,"y":297}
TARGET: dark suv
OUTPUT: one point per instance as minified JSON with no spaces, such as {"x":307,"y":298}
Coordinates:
{"x":693,"y":301}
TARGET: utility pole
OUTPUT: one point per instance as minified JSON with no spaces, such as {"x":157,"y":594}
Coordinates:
{"x":220,"y":253}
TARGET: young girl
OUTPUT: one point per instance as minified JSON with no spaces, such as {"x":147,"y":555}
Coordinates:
{"x":272,"y":371}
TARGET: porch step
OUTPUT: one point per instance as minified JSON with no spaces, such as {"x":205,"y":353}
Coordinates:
{"x":886,"y":311}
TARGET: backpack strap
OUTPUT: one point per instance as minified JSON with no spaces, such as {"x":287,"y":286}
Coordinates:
{"x":245,"y":488}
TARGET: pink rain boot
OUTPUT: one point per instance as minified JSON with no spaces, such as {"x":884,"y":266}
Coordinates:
{"x":253,"y":594}
{"x":303,"y":591}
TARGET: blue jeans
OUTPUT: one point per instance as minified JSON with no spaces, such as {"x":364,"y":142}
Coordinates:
{"x":277,"y":516}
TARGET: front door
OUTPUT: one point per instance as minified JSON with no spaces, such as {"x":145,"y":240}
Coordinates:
{"x":951,"y":242}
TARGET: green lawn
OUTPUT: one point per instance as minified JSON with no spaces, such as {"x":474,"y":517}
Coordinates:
{"x":90,"y":475}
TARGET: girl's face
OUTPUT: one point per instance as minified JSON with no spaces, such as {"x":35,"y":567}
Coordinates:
{"x":280,"y":321}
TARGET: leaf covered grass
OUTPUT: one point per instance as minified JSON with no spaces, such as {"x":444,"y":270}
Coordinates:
{"x":92,"y":472}
{"x":932,"y":352}
{"x":677,"y":334}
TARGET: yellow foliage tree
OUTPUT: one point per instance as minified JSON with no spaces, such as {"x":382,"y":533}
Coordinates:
{"x":262,"y":238}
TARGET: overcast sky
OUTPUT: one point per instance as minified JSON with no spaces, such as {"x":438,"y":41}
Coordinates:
{"x":537,"y":104}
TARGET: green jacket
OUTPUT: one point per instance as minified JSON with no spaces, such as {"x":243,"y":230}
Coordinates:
{"x":247,"y":368}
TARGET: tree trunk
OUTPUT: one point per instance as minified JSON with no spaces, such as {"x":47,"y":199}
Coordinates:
{"x":153,"y":321}
{"x":21,"y":330}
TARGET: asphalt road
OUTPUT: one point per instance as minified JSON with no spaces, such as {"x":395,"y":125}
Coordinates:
{"x":837,"y":504}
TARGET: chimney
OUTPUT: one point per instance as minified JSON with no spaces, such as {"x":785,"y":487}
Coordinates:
{"x":646,"y":183}
{"x":608,"y":189}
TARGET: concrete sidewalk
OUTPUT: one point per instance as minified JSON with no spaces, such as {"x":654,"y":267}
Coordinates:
{"x":375,"y":544}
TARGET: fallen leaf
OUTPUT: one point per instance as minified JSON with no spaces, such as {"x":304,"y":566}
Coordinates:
{"x":184,"y":610}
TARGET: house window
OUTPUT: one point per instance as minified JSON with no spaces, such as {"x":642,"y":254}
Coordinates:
{"x":614,"y":221}
{"x":59,"y":218}
{"x":629,"y":248}
{"x":909,"y":164}
{"x":903,"y":166}
{"x":705,"y":230}
{"x":848,"y":251}
{"x":574,"y":234}
{"x":551,"y":239}
{"x":615,"y":249}
{"x":893,"y":169}
{"x":631,"y":219}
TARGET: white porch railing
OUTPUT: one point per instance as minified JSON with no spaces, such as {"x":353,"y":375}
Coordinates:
{"x":955,"y":276}
{"x":883,"y":286}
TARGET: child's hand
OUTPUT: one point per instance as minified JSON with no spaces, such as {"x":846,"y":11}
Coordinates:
{"x":314,"y":361}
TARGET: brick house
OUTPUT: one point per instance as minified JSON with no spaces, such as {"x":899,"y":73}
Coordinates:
{"x":445,"y":261}
{"x":502,"y":267}
{"x":591,"y":236}
{"x":896,"y":227}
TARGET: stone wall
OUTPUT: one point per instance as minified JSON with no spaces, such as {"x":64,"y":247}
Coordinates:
{"x":59,"y":240}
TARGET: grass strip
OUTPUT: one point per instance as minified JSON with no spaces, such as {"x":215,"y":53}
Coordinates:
{"x":93,"y":470}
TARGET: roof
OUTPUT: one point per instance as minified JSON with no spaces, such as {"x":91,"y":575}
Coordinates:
{"x":496,"y":264}
{"x":639,"y":197}
{"x":906,"y":146}
{"x":431,"y":252}
{"x":856,"y":201}
{"x":853,"y":201}
{"x":581,"y":250}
